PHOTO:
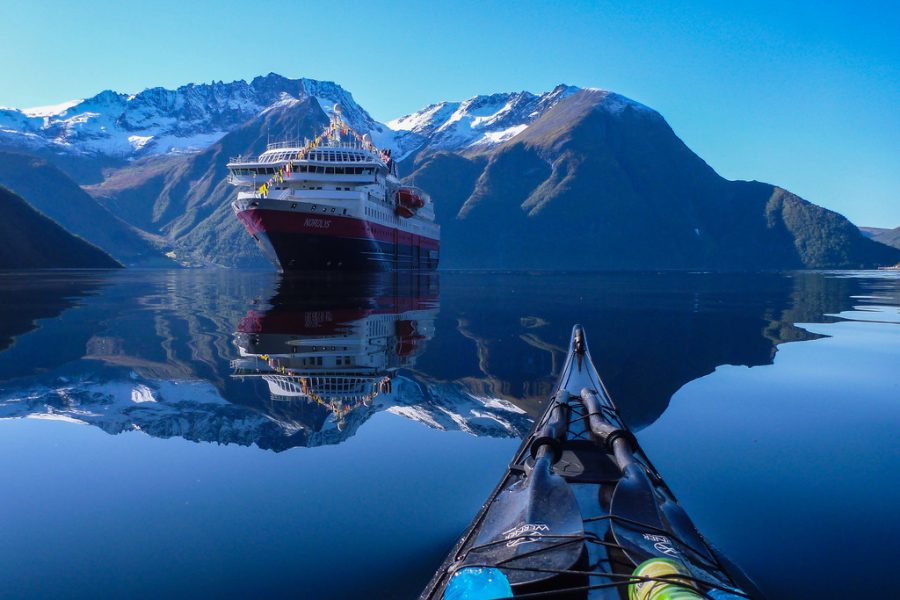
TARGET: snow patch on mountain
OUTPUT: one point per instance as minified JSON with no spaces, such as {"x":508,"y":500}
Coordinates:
{"x":51,"y":416}
{"x":141,"y":394}
{"x":476,"y":123}
{"x":498,"y":137}
{"x":425,"y":120}
{"x":616,"y":103}
{"x":51,"y":110}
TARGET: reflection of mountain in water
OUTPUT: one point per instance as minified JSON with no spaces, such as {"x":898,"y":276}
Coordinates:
{"x":651,"y":333}
{"x":156,"y":354}
{"x":199,"y":355}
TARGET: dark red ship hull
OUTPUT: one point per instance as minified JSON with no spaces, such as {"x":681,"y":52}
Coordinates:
{"x":303,"y":241}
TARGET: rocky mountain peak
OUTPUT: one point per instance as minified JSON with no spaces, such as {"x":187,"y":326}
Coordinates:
{"x":162,"y":121}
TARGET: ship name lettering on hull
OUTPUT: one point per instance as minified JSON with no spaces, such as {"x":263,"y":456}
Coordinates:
{"x":317,"y":223}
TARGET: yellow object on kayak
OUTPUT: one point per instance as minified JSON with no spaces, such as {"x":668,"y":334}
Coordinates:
{"x":661,"y":581}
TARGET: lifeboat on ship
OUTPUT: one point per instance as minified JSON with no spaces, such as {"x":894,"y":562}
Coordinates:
{"x":408,"y":337}
{"x":409,"y":200}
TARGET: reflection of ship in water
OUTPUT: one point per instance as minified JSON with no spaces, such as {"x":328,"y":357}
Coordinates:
{"x":332,"y":353}
{"x":338,"y":357}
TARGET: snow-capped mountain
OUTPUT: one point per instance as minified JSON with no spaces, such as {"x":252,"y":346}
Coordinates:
{"x":195,"y":116}
{"x":161,"y":121}
{"x":481,"y":121}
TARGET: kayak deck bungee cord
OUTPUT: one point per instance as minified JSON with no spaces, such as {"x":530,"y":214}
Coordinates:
{"x":582,"y":513}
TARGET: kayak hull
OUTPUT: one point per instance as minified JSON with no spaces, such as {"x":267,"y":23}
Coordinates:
{"x":592,"y":468}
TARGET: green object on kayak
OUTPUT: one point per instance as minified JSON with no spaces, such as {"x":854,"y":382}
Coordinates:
{"x":581,"y":512}
{"x":659,"y":580}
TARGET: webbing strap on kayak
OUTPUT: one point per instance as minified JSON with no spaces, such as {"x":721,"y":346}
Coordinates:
{"x":616,"y":580}
{"x":592,"y":538}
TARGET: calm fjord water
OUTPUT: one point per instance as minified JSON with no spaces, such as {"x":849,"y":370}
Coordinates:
{"x":174,"y":434}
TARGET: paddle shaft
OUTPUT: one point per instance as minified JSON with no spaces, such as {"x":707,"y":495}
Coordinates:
{"x":618,"y":441}
{"x":553,"y":432}
{"x":622,"y":445}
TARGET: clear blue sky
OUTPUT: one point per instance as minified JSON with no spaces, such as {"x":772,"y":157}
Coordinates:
{"x":802,"y":94}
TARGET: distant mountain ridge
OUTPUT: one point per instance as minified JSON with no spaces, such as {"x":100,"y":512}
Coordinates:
{"x":192,"y":117}
{"x":161,"y":121}
{"x":511,"y":175}
{"x":891,"y":237}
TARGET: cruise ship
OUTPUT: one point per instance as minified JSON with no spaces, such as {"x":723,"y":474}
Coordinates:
{"x":334,"y":203}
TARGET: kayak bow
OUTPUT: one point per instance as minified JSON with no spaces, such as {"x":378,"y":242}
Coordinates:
{"x":582,"y":513}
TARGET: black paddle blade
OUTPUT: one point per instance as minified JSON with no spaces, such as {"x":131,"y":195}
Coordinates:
{"x":534,"y":524}
{"x":683,"y":527}
{"x":636,"y":522}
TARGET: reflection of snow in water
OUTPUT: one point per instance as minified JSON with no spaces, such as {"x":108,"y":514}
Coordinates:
{"x":196,"y":410}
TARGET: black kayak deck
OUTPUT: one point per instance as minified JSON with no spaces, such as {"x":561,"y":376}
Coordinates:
{"x":592,"y":472}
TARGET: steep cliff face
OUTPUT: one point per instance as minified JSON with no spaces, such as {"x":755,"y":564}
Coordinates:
{"x":54,"y":194}
{"x":30,"y":240}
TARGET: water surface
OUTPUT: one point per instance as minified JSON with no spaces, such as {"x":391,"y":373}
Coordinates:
{"x":175,"y":434}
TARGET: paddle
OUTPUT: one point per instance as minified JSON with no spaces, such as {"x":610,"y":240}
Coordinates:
{"x":636,"y":521}
{"x":684,"y":528}
{"x":535,"y":523}
{"x":639,"y":530}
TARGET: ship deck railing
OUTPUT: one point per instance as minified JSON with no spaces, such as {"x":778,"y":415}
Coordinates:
{"x":295,"y":143}
{"x":346,"y":143}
